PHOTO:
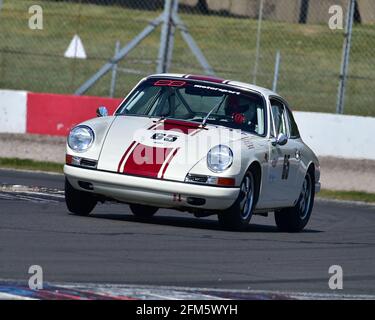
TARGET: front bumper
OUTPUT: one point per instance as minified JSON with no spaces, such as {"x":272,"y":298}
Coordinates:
{"x":153,"y":192}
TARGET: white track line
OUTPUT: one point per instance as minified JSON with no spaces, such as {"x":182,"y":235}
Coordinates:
{"x":167,"y":292}
{"x":8,"y":296}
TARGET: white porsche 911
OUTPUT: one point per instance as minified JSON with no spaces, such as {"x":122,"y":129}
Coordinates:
{"x":198,"y":144}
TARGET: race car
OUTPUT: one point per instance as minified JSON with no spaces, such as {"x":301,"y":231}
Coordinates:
{"x":197,"y":144}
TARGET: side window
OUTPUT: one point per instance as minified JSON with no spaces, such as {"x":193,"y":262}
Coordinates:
{"x":279,"y":118}
{"x":293,"y":128}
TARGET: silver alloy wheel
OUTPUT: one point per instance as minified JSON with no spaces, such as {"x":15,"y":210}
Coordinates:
{"x":247,"y":190}
{"x":305,"y":197}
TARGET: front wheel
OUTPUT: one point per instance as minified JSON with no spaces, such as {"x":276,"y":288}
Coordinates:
{"x":142,"y":211}
{"x":238,"y":216}
{"x":294,"y":219}
{"x":78,"y":202}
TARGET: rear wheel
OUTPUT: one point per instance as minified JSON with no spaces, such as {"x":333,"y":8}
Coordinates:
{"x":238,"y":216}
{"x":142,"y":211}
{"x":78,"y":202}
{"x":294,"y":219}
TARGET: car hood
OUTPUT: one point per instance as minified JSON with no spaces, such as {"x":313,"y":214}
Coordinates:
{"x":166,"y":149}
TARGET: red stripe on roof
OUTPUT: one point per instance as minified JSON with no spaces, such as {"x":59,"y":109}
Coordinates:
{"x":178,"y":125}
{"x":206,"y":78}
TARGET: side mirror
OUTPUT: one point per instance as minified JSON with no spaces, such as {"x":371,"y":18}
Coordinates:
{"x":281,"y":140}
{"x":102,"y":112}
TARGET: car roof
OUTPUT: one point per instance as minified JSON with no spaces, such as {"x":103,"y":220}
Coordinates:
{"x":215,"y":80}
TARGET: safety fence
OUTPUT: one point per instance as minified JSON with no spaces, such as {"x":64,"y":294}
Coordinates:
{"x":316,"y":53}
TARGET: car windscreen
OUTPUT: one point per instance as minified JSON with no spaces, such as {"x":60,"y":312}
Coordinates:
{"x":193,"y":101}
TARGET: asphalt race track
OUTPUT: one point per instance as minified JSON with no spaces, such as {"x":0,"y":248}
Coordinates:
{"x":176,"y":249}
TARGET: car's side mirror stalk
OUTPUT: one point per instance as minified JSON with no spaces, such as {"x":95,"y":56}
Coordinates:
{"x":281,"y":140}
{"x":102,"y":112}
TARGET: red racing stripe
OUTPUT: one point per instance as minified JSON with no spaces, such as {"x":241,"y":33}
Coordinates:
{"x":146,"y":161}
{"x":124,"y":156}
{"x":205,"y":78}
{"x":169,"y":161}
{"x":151,"y":158}
{"x":179,"y":126}
{"x":153,"y":126}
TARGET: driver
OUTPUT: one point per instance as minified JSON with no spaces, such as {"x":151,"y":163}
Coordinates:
{"x":241,"y":114}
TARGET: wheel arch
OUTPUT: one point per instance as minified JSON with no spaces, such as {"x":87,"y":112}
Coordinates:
{"x":311,"y":170}
{"x":256,"y":168}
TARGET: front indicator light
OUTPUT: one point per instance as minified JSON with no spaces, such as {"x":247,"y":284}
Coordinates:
{"x":230,"y":182}
{"x":80,"y":162}
{"x":209,"y":180}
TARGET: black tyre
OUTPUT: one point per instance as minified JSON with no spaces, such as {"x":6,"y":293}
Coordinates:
{"x":294,"y":219}
{"x":78,"y":202}
{"x":142,"y":211}
{"x":238,"y":216}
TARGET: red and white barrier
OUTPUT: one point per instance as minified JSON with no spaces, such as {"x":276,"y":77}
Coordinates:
{"x":13,"y":111}
{"x":54,"y":114}
{"x":44,"y":113}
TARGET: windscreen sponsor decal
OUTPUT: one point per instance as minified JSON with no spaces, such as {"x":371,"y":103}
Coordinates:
{"x":217,"y":89}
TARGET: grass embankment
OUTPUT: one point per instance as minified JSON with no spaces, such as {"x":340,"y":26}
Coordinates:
{"x":348,"y":195}
{"x":310,"y":54}
{"x":26,"y":164}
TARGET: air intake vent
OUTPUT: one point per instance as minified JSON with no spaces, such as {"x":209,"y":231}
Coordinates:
{"x":197,"y":178}
{"x":88,"y":163}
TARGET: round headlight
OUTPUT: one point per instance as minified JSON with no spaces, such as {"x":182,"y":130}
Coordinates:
{"x":81,"y":138}
{"x":219,"y":158}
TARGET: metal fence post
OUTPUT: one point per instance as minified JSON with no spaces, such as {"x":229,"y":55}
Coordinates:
{"x":345,"y":58}
{"x":277,"y":68}
{"x":193,"y":46}
{"x":165,"y":36}
{"x":114,"y":72}
{"x":257,"y":49}
{"x":171,"y":36}
{"x":120,"y":55}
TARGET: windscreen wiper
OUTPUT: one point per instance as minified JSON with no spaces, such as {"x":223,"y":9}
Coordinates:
{"x":204,"y":121}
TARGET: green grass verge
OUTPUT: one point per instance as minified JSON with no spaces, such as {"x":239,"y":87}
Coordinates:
{"x":26,"y":164}
{"x":347,"y":195}
{"x":310,"y":54}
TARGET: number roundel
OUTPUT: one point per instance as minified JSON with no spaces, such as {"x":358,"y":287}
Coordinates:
{"x":164,"y":137}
